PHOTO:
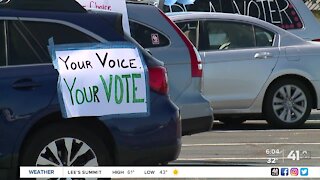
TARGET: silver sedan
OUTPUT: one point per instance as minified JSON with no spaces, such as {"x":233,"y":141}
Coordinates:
{"x":252,"y":68}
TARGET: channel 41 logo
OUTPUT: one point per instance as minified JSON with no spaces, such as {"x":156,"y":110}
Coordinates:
{"x":274,"y":171}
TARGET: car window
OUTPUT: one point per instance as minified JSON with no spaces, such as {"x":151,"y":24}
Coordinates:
{"x":42,"y":31}
{"x":20,"y":48}
{"x":280,"y":12}
{"x":190,"y":30}
{"x":228,"y":35}
{"x":62,"y":34}
{"x":289,"y":18}
{"x":263,"y":37}
{"x":34,"y":39}
{"x":212,"y":6}
{"x":147,"y":37}
{"x":2,"y":45}
{"x":202,"y":5}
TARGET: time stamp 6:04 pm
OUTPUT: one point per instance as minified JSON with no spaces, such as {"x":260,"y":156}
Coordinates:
{"x":275,"y":155}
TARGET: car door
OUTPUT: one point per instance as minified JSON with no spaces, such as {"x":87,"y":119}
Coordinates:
{"x":238,"y":59}
{"x":27,"y":83}
{"x":28,"y":80}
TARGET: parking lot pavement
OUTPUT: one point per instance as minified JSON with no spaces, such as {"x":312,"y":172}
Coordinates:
{"x":253,"y":143}
{"x":248,"y":145}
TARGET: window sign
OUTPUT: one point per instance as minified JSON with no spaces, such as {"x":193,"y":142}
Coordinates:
{"x":278,"y":12}
{"x":100,"y":79}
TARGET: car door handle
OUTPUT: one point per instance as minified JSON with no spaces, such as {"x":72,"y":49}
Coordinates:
{"x":25,"y":84}
{"x":262,"y":55}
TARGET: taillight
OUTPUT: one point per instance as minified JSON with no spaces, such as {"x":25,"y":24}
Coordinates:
{"x":318,"y":40}
{"x":196,"y":64}
{"x":158,"y":79}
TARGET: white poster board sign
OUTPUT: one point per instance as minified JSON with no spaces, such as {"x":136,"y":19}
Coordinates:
{"x":100,"y":80}
{"x":109,"y":5}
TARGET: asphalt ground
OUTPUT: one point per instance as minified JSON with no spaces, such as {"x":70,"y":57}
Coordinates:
{"x":253,"y":143}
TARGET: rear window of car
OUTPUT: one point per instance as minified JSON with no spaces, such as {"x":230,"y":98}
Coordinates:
{"x":147,"y":37}
{"x":281,"y":13}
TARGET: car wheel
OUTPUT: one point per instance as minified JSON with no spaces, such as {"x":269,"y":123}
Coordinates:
{"x":287,"y":104}
{"x":232,"y":121}
{"x":65,"y":145}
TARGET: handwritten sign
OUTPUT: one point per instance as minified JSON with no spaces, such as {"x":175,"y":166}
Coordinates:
{"x":100,"y":80}
{"x":118,"y":6}
{"x":278,"y":12}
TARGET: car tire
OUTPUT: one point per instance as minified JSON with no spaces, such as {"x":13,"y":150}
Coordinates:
{"x":52,"y":145}
{"x":287,"y":104}
{"x":232,"y":121}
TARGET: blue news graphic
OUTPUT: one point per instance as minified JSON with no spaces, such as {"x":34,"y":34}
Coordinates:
{"x":284,"y":171}
{"x":304,"y":172}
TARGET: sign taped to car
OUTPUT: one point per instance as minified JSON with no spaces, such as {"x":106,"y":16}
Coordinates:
{"x":100,"y":79}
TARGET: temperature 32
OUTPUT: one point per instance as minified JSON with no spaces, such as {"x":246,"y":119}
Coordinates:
{"x":273,"y":155}
{"x":272,"y":160}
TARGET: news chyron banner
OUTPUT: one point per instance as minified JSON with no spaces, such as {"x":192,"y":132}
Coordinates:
{"x":141,"y":172}
{"x":100,"y":79}
{"x":118,"y":6}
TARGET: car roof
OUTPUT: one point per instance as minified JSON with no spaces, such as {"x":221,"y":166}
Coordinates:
{"x":67,"y":11}
{"x":43,"y":5}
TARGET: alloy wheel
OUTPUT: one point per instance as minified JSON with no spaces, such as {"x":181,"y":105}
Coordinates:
{"x":67,"y":152}
{"x":289,"y":103}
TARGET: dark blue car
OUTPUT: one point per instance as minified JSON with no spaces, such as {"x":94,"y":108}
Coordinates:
{"x":32,"y":130}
